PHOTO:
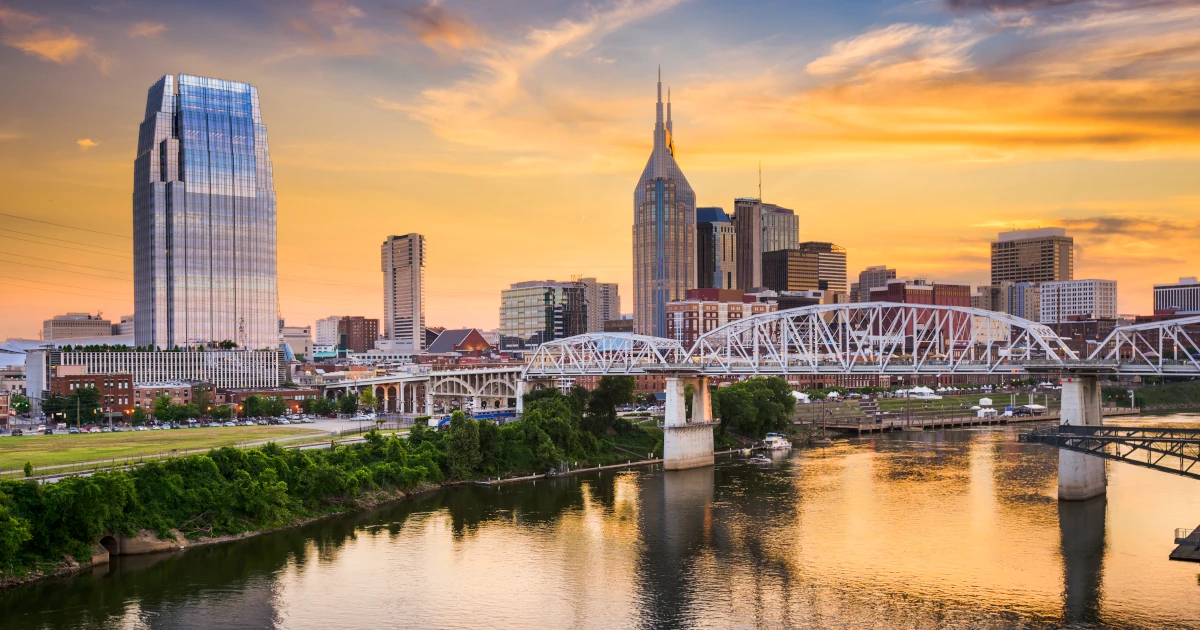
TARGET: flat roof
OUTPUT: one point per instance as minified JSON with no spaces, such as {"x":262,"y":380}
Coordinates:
{"x":1020,"y":235}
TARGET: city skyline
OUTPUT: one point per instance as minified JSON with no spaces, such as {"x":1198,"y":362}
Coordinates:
{"x":1122,"y":184}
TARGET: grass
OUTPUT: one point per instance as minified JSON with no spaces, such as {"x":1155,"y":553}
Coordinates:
{"x":57,"y":450}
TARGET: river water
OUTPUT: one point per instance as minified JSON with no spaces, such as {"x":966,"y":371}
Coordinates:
{"x":908,"y":530}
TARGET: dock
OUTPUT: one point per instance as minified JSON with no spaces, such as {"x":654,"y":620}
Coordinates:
{"x":1189,"y":545}
{"x":880,"y":424}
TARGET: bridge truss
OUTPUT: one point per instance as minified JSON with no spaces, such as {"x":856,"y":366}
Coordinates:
{"x":1165,"y":347}
{"x":1175,"y":451}
{"x":601,"y":354}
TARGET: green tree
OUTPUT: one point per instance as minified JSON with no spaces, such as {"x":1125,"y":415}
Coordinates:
{"x":203,"y":400}
{"x":755,"y":406}
{"x":463,"y":454}
{"x":19,"y":403}
{"x":28,"y":469}
{"x":274,"y":406}
{"x":252,"y":407}
{"x":164,"y":408}
{"x":610,"y":393}
{"x":366,"y":399}
{"x":139,"y":417}
{"x":221,"y":412}
{"x":348,"y":403}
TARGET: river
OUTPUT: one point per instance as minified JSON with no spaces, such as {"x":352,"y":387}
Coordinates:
{"x":905,"y":530}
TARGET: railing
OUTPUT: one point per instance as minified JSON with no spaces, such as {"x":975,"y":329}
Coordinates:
{"x":1187,"y":536}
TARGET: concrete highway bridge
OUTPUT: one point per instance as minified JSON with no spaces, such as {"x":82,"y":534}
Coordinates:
{"x":867,"y":338}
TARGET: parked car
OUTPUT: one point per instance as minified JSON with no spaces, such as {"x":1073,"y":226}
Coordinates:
{"x":73,"y":430}
{"x":284,"y":421}
{"x":94,"y":430}
{"x":230,"y":424}
{"x":17,"y":433}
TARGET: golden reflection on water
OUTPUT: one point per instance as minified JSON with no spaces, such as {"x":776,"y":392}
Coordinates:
{"x":914,"y":530}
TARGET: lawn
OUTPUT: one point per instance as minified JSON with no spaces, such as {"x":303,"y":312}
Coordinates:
{"x":54,"y":450}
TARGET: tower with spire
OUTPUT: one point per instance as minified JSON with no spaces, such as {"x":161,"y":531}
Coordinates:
{"x":664,"y":230}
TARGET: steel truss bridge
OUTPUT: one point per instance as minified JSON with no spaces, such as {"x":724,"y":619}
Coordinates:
{"x":1169,"y":450}
{"x":876,"y":338}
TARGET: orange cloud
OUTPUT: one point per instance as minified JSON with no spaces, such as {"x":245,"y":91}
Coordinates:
{"x":86,"y":143}
{"x":30,"y":34}
{"x":438,"y":28}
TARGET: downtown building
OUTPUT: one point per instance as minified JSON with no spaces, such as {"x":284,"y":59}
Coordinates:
{"x":1095,"y":299}
{"x":1042,"y":255}
{"x":76,"y":325}
{"x":704,"y":310}
{"x":760,"y":228}
{"x":664,"y":231}
{"x":532,"y":313}
{"x":1177,"y":297}
{"x":869,"y":278}
{"x":810,"y":266}
{"x":204,"y":218}
{"x":403,"y":263}
{"x":716,"y":250}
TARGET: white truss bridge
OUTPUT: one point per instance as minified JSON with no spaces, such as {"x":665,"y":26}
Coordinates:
{"x":877,"y":338}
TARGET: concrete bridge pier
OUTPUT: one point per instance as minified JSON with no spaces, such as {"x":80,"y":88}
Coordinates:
{"x":1080,"y":476}
{"x":687,"y":443}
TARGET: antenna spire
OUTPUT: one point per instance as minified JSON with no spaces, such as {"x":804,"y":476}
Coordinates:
{"x":760,"y":181}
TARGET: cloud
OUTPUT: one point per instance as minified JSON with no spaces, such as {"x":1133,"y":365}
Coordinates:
{"x":507,"y":105}
{"x":900,"y":51}
{"x":438,"y":28}
{"x":86,"y":143}
{"x":147,"y":29}
{"x":35,"y":36}
{"x":1008,"y":5}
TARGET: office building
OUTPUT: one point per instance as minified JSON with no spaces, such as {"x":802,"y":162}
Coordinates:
{"x":76,"y":325}
{"x":919,"y":291}
{"x":532,"y":313}
{"x":868,"y":279}
{"x":716,"y":250}
{"x":791,"y":270}
{"x":178,"y":392}
{"x":403,"y":261}
{"x":299,"y":339}
{"x":327,"y":331}
{"x":125,"y":327}
{"x":204,"y":258}
{"x":1025,"y":300}
{"x":704,"y":310}
{"x":1179,"y":297}
{"x":1090,"y":298}
{"x":356,"y":334}
{"x":603,"y":302}
{"x":664,"y":231}
{"x":993,"y":297}
{"x":1042,"y":255}
{"x":760,"y":228}
{"x":116,"y":390}
{"x":623,"y":325}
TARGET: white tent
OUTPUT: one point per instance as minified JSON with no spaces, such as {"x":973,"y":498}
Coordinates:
{"x":985,"y":402}
{"x":922,"y":390}
{"x":976,"y":408}
{"x":801,"y":397}
{"x":831,"y":395}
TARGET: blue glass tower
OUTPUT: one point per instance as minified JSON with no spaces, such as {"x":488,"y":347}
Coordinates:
{"x":204,"y":218}
{"x":664,"y":231}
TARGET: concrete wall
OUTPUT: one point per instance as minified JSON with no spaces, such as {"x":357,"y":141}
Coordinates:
{"x":1080,"y":476}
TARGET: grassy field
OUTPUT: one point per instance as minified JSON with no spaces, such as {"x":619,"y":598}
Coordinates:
{"x":54,"y":450}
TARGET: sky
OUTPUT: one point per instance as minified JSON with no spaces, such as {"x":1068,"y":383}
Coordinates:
{"x":512,"y":134}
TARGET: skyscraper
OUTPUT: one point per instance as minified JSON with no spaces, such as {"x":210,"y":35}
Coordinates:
{"x":204,"y":218}
{"x":403,"y":262}
{"x":716,"y":250}
{"x":1042,"y":255}
{"x":869,"y":278}
{"x":761,"y":228}
{"x":664,"y":231}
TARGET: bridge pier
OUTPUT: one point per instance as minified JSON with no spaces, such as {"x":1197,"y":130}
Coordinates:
{"x":687,"y":444}
{"x":1080,"y":476}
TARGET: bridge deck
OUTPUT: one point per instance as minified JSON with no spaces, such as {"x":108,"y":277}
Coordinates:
{"x":865,"y":424}
{"x":1167,"y":449}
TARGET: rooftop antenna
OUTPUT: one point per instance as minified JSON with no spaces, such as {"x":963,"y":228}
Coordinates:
{"x":760,"y":181}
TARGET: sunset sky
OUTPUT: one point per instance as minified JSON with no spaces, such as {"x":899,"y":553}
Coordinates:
{"x":511,"y":135}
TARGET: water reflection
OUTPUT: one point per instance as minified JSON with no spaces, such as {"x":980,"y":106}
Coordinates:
{"x":921,"y":530}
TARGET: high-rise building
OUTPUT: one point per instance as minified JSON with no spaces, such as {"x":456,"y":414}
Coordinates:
{"x":1042,"y":255}
{"x":760,"y":228}
{"x":204,"y":218}
{"x":869,"y":278}
{"x":664,"y":231}
{"x":1090,"y":298}
{"x":403,"y":261}
{"x":357,"y":334}
{"x":831,"y":266}
{"x":125,"y":327}
{"x":327,"y":331}
{"x":781,"y":228}
{"x":532,"y":313}
{"x":1025,"y":300}
{"x":791,"y":270}
{"x":1182,"y":296}
{"x":76,"y":325}
{"x":716,"y":250}
{"x":603,"y":302}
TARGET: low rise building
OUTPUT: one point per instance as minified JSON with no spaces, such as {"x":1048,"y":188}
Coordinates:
{"x":299,"y":339}
{"x":293,"y":397}
{"x":1091,"y":298}
{"x":180,"y":393}
{"x":116,"y":390}
{"x":707,"y":309}
{"x":75,"y":325}
{"x":622,"y":325}
{"x":919,"y":291}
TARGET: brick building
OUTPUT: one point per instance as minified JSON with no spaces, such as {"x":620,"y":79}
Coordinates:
{"x":356,"y":333}
{"x":180,"y":393}
{"x":116,"y":390}
{"x":707,"y":309}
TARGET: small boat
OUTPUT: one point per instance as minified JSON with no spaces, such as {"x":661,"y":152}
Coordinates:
{"x":776,"y":442}
{"x":746,"y":452}
{"x":759,"y":459}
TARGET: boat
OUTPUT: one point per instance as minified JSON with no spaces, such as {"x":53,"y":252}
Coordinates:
{"x":776,"y":442}
{"x":759,"y":459}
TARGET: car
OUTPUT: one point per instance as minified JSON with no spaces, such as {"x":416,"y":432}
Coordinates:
{"x":73,"y":430}
{"x":17,"y":433}
{"x":284,"y":421}
{"x":262,"y":423}
{"x":231,"y":424}
{"x":139,"y":428}
{"x":94,"y":430}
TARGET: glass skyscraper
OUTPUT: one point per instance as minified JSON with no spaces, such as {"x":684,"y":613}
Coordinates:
{"x":664,"y":232}
{"x":204,"y":218}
